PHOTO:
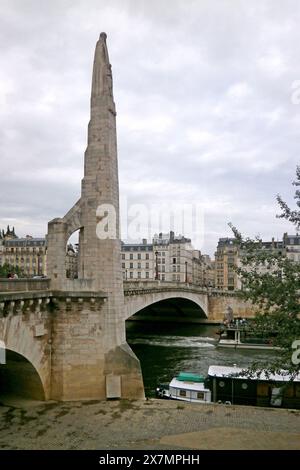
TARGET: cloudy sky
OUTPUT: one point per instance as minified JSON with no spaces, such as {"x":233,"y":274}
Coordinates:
{"x":207,"y":112}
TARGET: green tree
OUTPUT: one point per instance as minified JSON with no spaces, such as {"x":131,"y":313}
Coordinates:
{"x":271,"y":281}
{"x":7,"y":269}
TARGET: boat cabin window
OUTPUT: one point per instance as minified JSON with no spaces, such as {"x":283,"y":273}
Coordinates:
{"x":182,"y":393}
{"x":200,"y":395}
{"x":244,"y":386}
{"x":221,"y":384}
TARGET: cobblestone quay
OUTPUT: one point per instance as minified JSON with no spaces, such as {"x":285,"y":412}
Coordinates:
{"x":150,"y":424}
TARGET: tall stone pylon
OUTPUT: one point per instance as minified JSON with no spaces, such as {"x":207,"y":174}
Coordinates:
{"x":96,"y":215}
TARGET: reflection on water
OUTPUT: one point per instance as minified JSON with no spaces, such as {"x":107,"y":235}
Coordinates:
{"x":166,"y":349}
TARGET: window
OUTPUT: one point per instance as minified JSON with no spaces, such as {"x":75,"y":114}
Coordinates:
{"x":131,"y":265}
{"x":123,"y":255}
{"x":147,"y":265}
{"x":174,"y":269}
{"x":147,"y":255}
{"x":163,"y":261}
{"x":131,"y":275}
{"x":123,"y":265}
{"x":139,"y":265}
{"x":221,"y":384}
{"x":163,"y":269}
{"x":147,"y":275}
{"x":139,"y":275}
{"x":163,"y":277}
{"x":139,"y":256}
{"x":178,"y":269}
{"x":173,"y":277}
{"x":174,"y":260}
{"x":200,"y":395}
{"x":182,"y":393}
{"x":131,"y":256}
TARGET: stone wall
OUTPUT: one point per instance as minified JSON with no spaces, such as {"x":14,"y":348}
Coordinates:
{"x":24,"y":285}
{"x":218,"y":302}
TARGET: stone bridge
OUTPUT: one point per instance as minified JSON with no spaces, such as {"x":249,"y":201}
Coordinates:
{"x":180,"y":302}
{"x":46,"y":331}
{"x":66,"y":339}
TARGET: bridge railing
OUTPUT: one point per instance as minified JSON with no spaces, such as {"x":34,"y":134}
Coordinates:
{"x":24,"y":285}
{"x":140,"y":285}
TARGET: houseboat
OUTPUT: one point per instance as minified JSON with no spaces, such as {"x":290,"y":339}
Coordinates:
{"x":229,"y":385}
{"x":241,"y":336}
{"x":185,"y":387}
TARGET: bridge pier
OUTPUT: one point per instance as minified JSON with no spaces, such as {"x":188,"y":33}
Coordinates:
{"x":63,"y":336}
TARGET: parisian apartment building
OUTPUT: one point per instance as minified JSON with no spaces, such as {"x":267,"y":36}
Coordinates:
{"x":168,"y":258}
{"x":228,"y":256}
{"x":29,"y":254}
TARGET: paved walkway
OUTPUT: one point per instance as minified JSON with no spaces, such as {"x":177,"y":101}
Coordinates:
{"x":150,"y":424}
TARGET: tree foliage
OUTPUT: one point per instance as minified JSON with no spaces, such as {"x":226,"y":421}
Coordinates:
{"x":271,"y":281}
{"x":8,"y":269}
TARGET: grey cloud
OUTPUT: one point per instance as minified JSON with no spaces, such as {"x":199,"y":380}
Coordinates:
{"x":203,"y":94}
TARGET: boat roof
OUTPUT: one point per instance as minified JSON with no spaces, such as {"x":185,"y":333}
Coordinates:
{"x":197,"y":386}
{"x":188,"y":377}
{"x":227,"y":371}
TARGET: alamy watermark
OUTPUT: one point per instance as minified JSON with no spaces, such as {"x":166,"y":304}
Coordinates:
{"x":296,"y":354}
{"x":295,"y":96}
{"x":142,"y":221}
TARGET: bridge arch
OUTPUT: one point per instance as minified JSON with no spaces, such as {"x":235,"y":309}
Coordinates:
{"x":24,"y":344}
{"x":189,"y":306}
{"x":19,"y":377}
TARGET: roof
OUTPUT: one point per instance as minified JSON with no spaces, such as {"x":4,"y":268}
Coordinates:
{"x":25,"y":242}
{"x":197,"y":386}
{"x":136,"y":247}
{"x":226,"y":371}
{"x":188,"y":377}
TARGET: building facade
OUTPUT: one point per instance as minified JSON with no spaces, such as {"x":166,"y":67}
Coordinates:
{"x":169,"y":258}
{"x":137,"y":261}
{"x":291,"y":245}
{"x":226,"y":259}
{"x":229,"y":256}
{"x":29,"y":254}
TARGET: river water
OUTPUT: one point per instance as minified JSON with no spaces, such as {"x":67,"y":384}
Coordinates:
{"x":165,"y":349}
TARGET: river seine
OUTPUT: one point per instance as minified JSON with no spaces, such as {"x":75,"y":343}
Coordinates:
{"x":165,"y":349}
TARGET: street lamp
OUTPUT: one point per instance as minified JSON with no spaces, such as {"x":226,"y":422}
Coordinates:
{"x":156,"y":266}
{"x":186,"y":272}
